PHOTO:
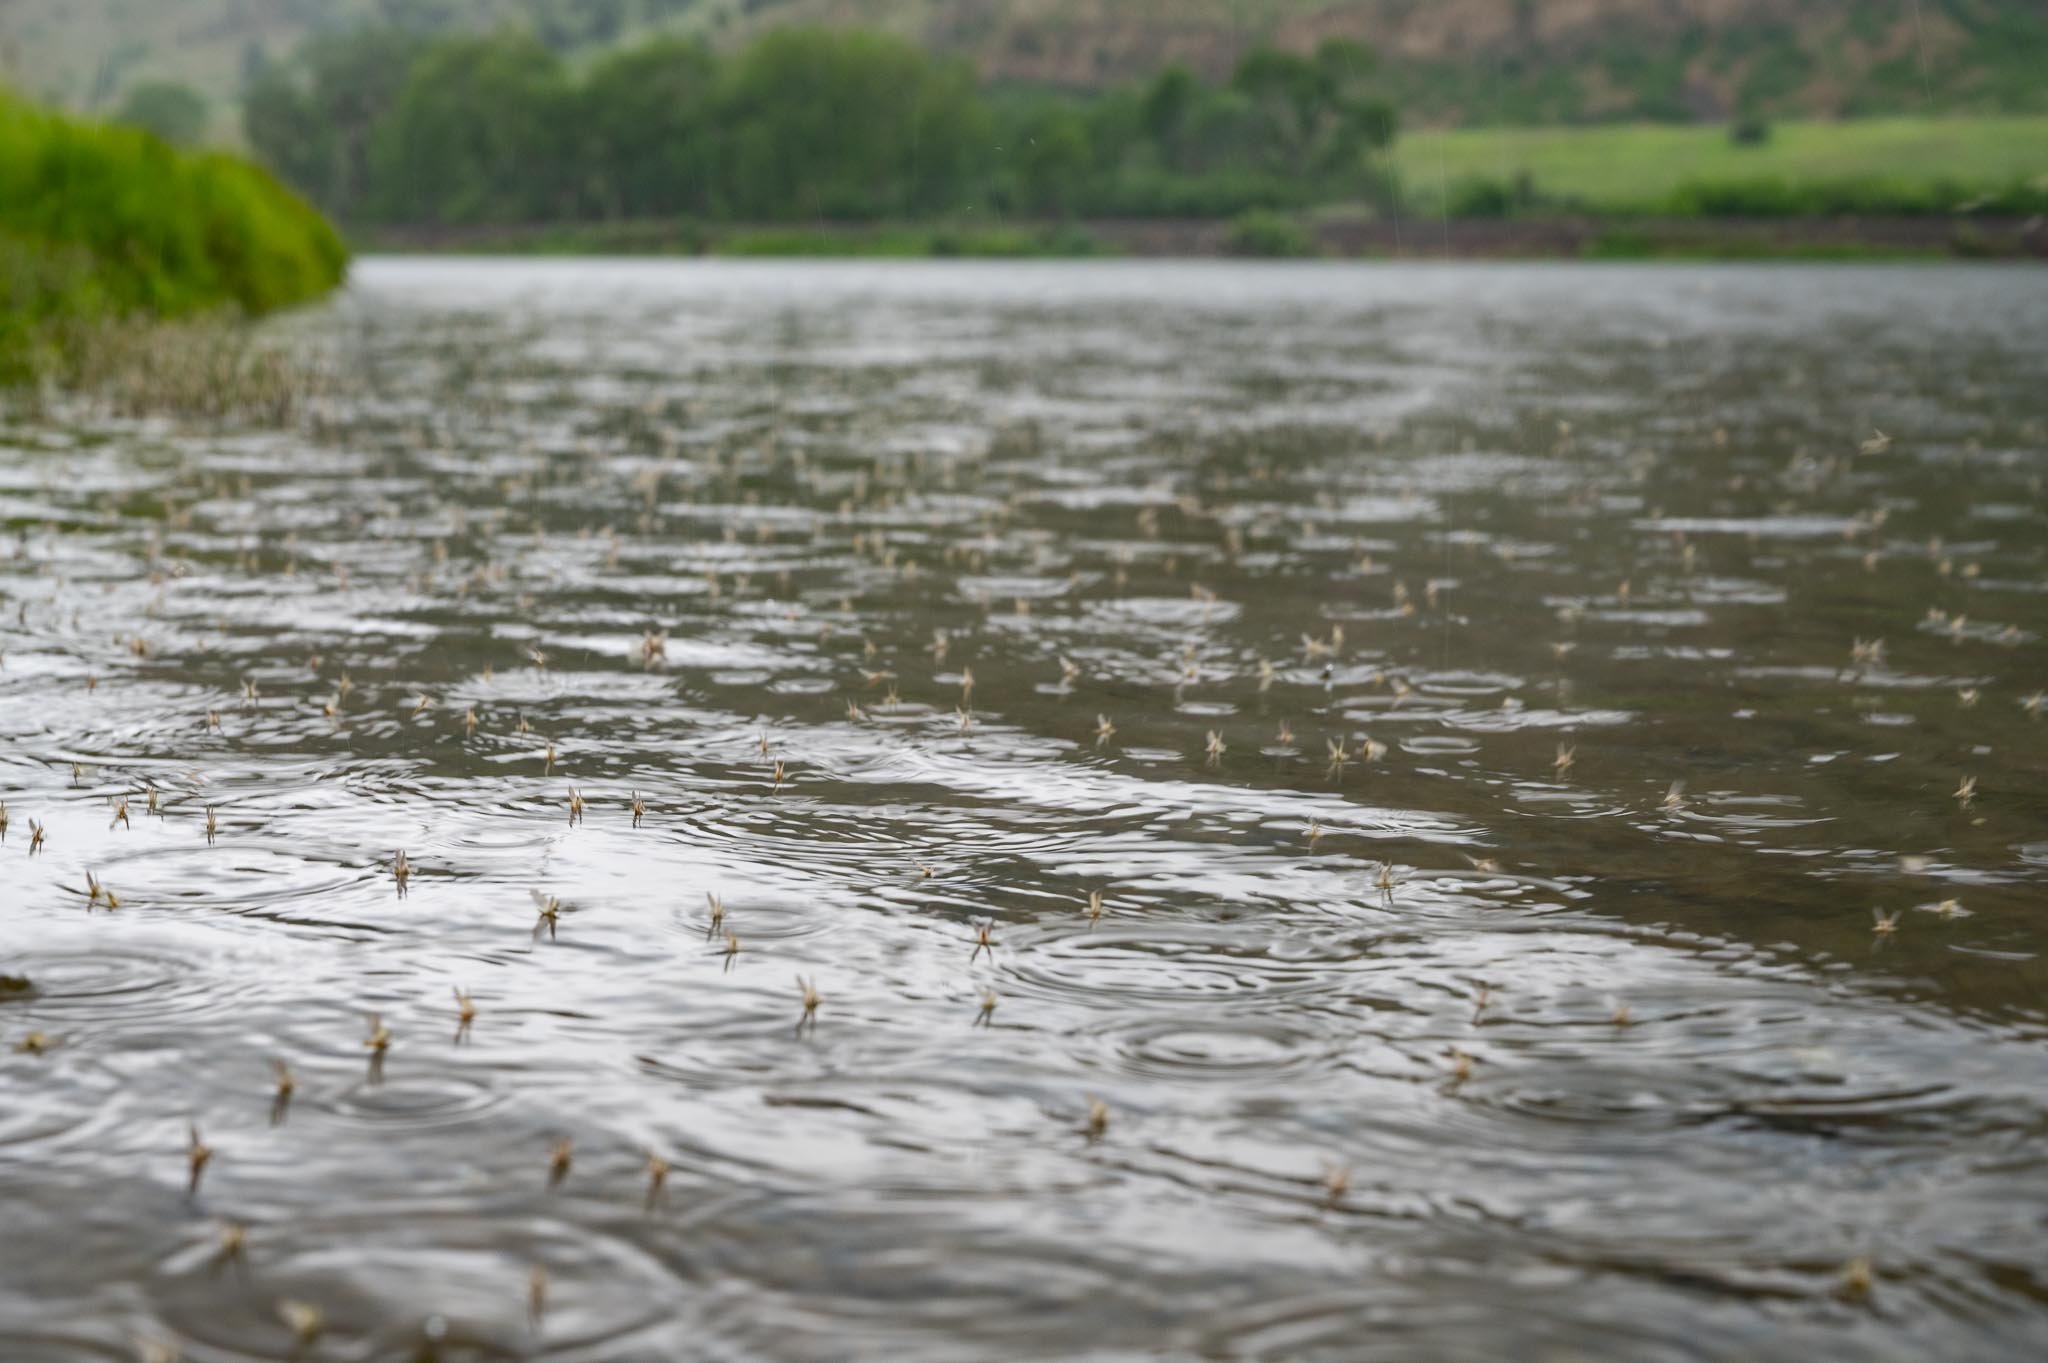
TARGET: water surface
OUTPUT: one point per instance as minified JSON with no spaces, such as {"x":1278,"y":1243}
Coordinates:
{"x":1446,"y":1049}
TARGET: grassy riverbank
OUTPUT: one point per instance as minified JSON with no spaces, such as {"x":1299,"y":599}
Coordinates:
{"x":105,"y":229}
{"x":1331,"y":235}
{"x":1897,"y":165}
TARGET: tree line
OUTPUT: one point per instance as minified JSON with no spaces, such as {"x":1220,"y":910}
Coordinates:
{"x":383,"y":126}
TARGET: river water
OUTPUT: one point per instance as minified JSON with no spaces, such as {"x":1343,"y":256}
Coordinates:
{"x":1447,"y":1049}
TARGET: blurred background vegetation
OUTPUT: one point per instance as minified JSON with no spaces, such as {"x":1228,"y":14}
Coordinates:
{"x":799,"y":124}
{"x":1005,"y":126}
{"x":1464,"y":62}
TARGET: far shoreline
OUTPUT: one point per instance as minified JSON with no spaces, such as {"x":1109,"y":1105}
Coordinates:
{"x":1587,"y":237}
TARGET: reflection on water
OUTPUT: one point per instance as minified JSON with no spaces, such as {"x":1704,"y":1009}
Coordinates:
{"x":1462,"y":687}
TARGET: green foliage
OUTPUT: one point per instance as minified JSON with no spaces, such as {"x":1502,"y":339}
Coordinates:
{"x":801,"y":125}
{"x":648,"y":132}
{"x":829,"y":124}
{"x":100,"y":221}
{"x":315,"y":125}
{"x":1053,"y":162}
{"x":1284,"y":132}
{"x":1480,"y":196}
{"x":43,"y":288}
{"x":838,"y":126}
{"x":176,"y":113}
{"x":480,"y":133}
{"x":1869,"y":196}
{"x":1269,"y":235}
{"x":1313,"y":116}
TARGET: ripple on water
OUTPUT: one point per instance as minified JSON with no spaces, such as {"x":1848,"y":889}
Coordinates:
{"x":1475,"y":515}
{"x":1175,"y":962}
{"x":1228,"y":1045}
{"x":381,"y":1272}
{"x":127,"y":984}
{"x":406,"y":1098}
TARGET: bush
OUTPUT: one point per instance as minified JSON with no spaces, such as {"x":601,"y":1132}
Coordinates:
{"x":1751,"y":130}
{"x":1483,"y":196}
{"x":99,"y":222}
{"x":1776,"y":198}
{"x":1479,"y":197}
{"x":1268,"y":235}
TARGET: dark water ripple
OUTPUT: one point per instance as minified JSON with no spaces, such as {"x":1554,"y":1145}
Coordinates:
{"x":1603,"y":1060}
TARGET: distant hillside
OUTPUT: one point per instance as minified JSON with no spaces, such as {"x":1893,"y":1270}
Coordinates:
{"x":1447,"y":61}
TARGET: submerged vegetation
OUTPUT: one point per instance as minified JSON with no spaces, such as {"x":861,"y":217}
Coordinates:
{"x":105,"y":229}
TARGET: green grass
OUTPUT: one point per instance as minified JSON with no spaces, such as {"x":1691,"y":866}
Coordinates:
{"x":1617,"y":166}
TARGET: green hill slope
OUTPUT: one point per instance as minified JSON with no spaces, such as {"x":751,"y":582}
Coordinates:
{"x":1471,"y":61}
